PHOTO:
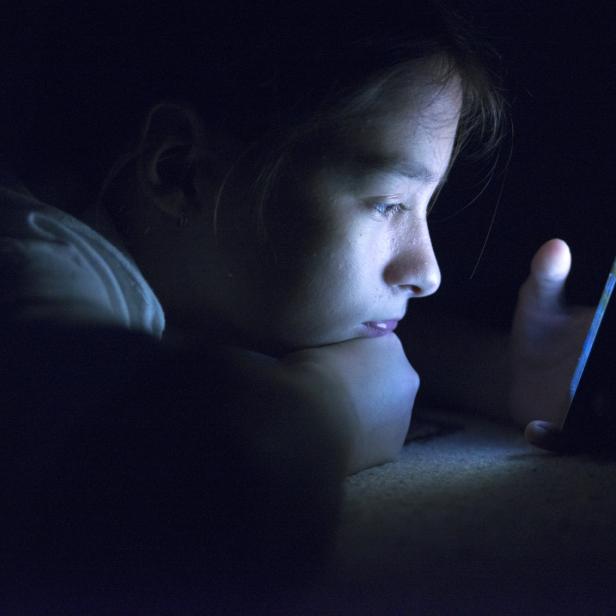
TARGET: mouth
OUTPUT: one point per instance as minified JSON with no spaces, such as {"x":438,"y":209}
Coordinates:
{"x":379,"y":328}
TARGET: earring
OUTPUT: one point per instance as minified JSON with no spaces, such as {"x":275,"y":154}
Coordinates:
{"x":182,"y":221}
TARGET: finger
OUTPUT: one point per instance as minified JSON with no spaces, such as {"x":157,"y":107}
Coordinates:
{"x":546,"y":435}
{"x":549,"y":270}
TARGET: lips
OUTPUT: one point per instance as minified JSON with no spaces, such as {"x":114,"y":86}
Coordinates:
{"x":380,"y":328}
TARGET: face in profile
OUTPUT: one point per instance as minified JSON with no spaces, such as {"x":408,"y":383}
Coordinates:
{"x":349,"y":228}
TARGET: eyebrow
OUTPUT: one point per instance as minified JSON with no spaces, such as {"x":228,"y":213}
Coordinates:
{"x":389,"y":164}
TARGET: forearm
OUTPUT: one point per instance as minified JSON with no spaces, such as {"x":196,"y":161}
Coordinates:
{"x":361,"y":437}
{"x":291,"y":398}
{"x":462,"y":363}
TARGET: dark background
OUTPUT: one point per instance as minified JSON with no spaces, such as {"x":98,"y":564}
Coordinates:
{"x":554,"y":177}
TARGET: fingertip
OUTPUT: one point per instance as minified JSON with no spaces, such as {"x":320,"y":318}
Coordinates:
{"x":557,"y":244}
{"x":552,"y":261}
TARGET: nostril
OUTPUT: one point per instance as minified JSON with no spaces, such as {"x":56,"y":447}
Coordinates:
{"x":416,"y":290}
{"x":412,"y":288}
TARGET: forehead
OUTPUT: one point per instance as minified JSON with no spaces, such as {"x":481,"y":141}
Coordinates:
{"x":411,"y":125}
{"x":414,"y":102}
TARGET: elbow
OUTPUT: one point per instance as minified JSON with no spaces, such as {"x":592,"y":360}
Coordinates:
{"x":379,"y":445}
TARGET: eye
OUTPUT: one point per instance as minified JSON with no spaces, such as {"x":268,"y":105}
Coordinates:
{"x":388,"y":209}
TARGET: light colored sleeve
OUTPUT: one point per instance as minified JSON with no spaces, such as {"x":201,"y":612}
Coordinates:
{"x":41,"y":279}
{"x":53,"y":266}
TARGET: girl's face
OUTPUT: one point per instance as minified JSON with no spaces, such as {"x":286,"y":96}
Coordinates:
{"x":350,"y":229}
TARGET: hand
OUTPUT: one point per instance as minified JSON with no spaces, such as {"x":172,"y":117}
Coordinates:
{"x":546,"y":341}
{"x":380,"y":385}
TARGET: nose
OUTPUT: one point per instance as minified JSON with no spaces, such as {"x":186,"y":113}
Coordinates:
{"x":412,"y":266}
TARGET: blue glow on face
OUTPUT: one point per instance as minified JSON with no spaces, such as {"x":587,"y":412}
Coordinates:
{"x":592,"y":330}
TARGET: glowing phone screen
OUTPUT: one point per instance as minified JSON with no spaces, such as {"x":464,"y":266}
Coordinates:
{"x":592,"y":330}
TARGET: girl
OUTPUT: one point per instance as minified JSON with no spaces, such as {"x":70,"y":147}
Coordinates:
{"x":213,"y":341}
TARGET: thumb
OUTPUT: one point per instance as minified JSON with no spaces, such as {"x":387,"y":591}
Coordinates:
{"x":547,"y":435}
{"x":548,"y":272}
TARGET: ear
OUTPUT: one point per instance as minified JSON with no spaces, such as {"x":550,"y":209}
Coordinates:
{"x":169,"y":156}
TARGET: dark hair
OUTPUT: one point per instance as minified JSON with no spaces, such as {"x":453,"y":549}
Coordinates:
{"x":266,"y":73}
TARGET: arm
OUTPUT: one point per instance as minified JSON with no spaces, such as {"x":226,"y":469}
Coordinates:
{"x":364,"y":387}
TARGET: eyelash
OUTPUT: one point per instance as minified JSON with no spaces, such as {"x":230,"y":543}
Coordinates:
{"x":389,"y":209}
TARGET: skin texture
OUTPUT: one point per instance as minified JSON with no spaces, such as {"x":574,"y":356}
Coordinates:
{"x":366,"y":259}
{"x":379,"y":387}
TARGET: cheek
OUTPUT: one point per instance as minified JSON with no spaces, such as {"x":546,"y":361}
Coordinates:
{"x":318,"y":296}
{"x":323,"y":256}
{"x":334,"y":279}
{"x":322,"y":275}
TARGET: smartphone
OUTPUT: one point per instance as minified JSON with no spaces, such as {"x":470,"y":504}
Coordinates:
{"x":590,"y":422}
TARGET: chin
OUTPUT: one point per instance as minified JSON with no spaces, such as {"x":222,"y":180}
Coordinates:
{"x":292,"y":339}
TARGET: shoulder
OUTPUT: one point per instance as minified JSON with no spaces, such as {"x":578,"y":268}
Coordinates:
{"x":53,"y":266}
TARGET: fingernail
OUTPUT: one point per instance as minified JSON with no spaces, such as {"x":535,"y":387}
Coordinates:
{"x":544,"y":428}
{"x":541,"y":434}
